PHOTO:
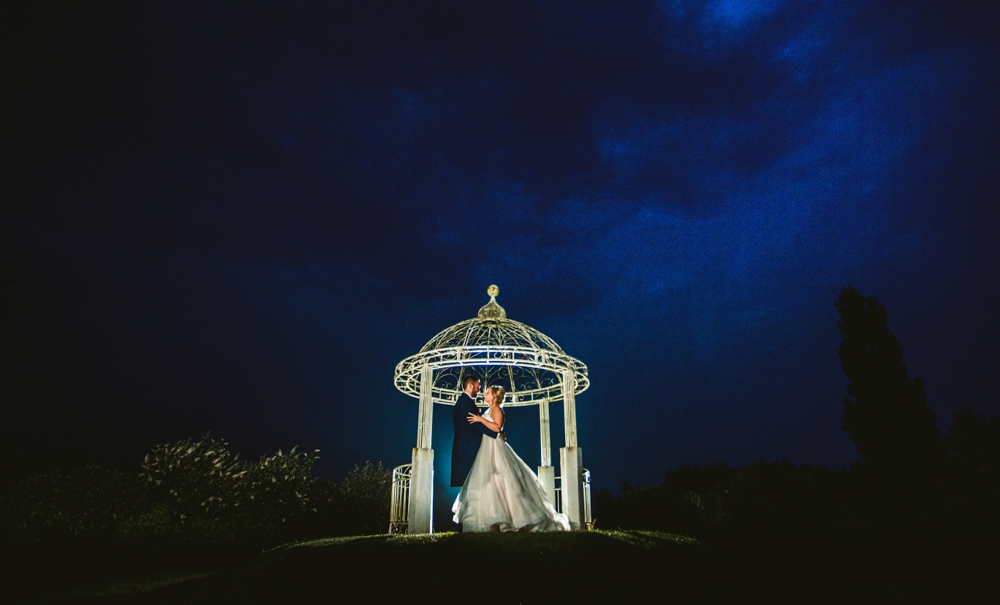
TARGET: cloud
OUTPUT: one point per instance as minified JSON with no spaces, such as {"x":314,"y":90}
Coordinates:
{"x":734,"y":14}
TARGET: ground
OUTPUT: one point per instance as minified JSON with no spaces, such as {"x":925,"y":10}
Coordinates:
{"x":599,"y":566}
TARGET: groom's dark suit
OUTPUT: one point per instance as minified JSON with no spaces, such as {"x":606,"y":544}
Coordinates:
{"x":468,"y":438}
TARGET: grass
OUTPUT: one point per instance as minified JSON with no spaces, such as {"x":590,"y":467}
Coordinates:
{"x":129,"y":585}
{"x":581,"y":567}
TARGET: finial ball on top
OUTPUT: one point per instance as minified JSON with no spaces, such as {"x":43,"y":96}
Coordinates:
{"x":493,"y":290}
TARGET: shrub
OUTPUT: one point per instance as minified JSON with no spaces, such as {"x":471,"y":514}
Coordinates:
{"x":764,"y":501}
{"x":194,"y":477}
{"x":365,"y":494}
{"x":74,"y":507}
{"x":218,"y":500}
{"x":194,"y":495}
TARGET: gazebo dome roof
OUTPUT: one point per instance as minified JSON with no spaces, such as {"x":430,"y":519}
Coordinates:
{"x":491,"y":328}
{"x":527,"y":363}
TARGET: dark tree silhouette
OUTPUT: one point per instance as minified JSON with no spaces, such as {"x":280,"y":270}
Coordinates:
{"x":974,"y":441}
{"x":974,"y":476}
{"x":885,"y":413}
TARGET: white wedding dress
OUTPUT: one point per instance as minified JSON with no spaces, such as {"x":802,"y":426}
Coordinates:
{"x":502,"y":494}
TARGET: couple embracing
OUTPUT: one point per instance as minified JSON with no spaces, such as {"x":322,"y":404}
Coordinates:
{"x":499,"y":491}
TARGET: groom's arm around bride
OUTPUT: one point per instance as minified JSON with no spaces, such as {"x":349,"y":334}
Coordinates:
{"x":468,"y":437}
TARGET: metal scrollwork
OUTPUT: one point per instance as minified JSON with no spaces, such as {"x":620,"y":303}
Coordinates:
{"x":527,"y":363}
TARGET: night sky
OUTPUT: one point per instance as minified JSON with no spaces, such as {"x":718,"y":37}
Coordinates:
{"x":239,"y":217}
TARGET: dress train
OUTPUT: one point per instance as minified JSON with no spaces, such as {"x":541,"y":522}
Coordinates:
{"x":502,"y":493}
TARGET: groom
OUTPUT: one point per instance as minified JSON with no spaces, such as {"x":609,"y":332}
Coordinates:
{"x":468,"y":437}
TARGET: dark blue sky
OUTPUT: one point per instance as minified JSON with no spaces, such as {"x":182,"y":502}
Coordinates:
{"x":239,"y":217}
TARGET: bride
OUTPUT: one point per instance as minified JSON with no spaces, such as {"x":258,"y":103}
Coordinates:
{"x":501,"y":493}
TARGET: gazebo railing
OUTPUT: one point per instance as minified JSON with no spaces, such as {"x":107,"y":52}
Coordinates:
{"x":588,"y":517}
{"x":400,"y":503}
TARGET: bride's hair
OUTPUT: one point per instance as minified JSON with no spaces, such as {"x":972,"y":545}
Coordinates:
{"x":498,"y":394}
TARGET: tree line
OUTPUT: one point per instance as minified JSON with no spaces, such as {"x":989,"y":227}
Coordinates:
{"x":912,"y":482}
{"x":192,"y":496}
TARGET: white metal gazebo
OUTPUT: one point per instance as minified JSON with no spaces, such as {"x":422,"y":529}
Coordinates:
{"x":531,"y":367}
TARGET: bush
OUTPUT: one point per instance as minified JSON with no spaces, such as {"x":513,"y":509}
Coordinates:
{"x":216,"y":500}
{"x":358,"y":505}
{"x":365,"y":495}
{"x":204,"y":497}
{"x":781,"y":501}
{"x":194,"y":478}
{"x":75,"y":507}
{"x":762,"y":502}
{"x":194,"y":496}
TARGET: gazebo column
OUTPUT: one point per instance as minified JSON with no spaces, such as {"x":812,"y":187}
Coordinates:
{"x":546,"y":472}
{"x":421,"y":506}
{"x":571,"y":457}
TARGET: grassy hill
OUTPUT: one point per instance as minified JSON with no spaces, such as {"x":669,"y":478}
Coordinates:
{"x":598,"y":566}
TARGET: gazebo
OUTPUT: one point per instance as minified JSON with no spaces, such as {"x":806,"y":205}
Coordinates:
{"x":531,"y":367}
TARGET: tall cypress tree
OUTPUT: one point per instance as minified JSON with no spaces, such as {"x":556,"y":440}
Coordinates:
{"x":885,"y":413}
